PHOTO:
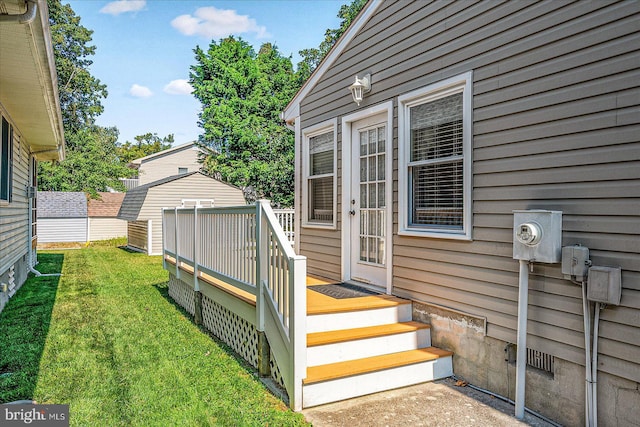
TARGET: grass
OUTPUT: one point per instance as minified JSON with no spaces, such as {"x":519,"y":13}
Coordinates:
{"x":106,"y":339}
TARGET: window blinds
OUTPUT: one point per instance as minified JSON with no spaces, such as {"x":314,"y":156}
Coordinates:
{"x":436,"y":163}
{"x":320,"y":181}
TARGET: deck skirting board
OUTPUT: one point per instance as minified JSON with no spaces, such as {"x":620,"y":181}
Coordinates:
{"x":231,"y":328}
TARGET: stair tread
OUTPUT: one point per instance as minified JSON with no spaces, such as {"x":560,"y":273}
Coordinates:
{"x":330,"y":337}
{"x":371,"y":364}
{"x":320,"y":304}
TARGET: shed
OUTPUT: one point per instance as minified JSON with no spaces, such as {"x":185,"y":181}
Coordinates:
{"x":62,"y":216}
{"x":142,"y":206}
{"x":102,"y":217}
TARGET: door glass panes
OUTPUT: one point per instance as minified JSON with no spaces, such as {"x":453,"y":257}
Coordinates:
{"x":372,"y":195}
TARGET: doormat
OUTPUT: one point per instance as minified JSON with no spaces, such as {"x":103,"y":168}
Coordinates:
{"x":343,"y":290}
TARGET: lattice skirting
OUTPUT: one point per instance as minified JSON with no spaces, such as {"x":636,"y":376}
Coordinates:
{"x":182,"y":293}
{"x":239,"y":334}
{"x":235,"y":331}
{"x":275,"y":372}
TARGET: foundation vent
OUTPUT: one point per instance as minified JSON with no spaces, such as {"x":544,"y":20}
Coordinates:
{"x":540,"y":360}
{"x":12,"y":278}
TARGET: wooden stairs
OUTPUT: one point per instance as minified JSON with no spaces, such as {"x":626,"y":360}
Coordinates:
{"x":363,"y":345}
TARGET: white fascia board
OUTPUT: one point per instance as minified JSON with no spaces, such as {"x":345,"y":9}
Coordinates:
{"x":292,"y":110}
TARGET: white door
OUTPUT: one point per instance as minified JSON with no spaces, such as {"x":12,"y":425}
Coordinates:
{"x":369,"y":207}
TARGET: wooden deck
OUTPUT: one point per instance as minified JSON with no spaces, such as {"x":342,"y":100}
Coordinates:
{"x":318,"y":303}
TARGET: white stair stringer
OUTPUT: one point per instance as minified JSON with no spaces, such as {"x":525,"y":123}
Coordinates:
{"x":318,"y":393}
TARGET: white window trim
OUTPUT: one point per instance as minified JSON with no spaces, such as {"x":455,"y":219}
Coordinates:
{"x":461,"y":83}
{"x":307,"y":133}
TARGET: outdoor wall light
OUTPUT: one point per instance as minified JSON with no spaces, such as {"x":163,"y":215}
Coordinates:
{"x":360,"y":87}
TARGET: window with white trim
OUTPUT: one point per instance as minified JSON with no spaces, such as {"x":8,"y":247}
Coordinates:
{"x":435,"y":162}
{"x":6,"y":161}
{"x":320,"y":184}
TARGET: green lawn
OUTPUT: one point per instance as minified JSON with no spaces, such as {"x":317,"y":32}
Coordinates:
{"x":106,"y":339}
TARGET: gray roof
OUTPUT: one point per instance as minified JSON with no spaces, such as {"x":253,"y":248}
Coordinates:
{"x":134,"y":198}
{"x":59,"y":204}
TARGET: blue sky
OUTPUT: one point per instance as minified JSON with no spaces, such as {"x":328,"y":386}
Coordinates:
{"x":144,"y":50}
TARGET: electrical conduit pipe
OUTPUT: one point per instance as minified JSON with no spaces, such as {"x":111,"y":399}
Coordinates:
{"x":521,"y":361}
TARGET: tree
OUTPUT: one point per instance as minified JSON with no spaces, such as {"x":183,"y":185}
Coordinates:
{"x":312,"y":57}
{"x":242,"y":94}
{"x":81,"y":93}
{"x":91,"y":165}
{"x":149,"y":143}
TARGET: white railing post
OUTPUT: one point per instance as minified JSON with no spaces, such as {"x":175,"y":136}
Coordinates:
{"x":177,"y":234}
{"x":164,"y":240}
{"x":196,"y":284}
{"x":261,"y":266}
{"x":298,"y":327}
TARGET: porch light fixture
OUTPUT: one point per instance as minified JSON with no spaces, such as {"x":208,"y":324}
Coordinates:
{"x":360,"y":87}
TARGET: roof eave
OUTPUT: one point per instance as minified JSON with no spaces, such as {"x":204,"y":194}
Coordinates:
{"x":29,"y":84}
{"x":292,"y":110}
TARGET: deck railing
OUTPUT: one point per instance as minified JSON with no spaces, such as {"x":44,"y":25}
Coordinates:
{"x":285,"y":218}
{"x":247,"y":248}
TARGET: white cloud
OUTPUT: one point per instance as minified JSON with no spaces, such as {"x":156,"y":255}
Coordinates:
{"x":140,"y":91}
{"x":178,"y":87}
{"x":122,"y":6}
{"x":210,"y":22}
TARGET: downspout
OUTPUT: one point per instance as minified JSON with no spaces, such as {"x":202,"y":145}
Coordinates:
{"x":24,"y":18}
{"x":30,"y":249}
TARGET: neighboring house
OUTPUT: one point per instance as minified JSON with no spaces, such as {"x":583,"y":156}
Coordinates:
{"x":102,"y":217}
{"x":173,"y":161}
{"x":142,"y":206}
{"x":62,"y":217}
{"x":477,"y":109}
{"x":30,"y":131}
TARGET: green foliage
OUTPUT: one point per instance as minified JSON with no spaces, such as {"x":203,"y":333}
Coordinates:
{"x":80,"y":93}
{"x":311,"y":58}
{"x":149,"y":143}
{"x":91,"y":164}
{"x":242,"y":94}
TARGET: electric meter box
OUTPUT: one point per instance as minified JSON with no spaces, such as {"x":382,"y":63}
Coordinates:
{"x":537,"y":235}
{"x":604,"y":284}
{"x":575,"y":262}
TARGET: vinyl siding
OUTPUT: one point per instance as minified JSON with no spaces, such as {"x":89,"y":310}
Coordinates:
{"x":55,"y":230}
{"x":556,"y":125}
{"x":163,"y":165}
{"x":170,"y":195}
{"x":14,"y":223}
{"x":106,"y":228}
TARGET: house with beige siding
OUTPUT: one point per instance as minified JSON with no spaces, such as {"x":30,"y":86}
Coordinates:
{"x":142,"y":206}
{"x":471,"y":111}
{"x":173,"y":161}
{"x":30,"y":130}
